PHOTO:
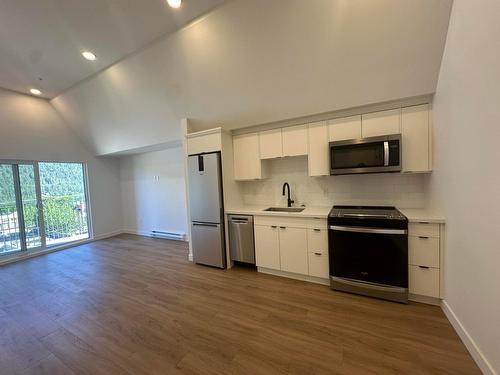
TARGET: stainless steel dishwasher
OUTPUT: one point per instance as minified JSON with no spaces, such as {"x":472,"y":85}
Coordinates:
{"x":241,"y":241}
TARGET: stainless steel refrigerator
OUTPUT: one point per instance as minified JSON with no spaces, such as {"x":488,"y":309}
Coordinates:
{"x":207,"y":210}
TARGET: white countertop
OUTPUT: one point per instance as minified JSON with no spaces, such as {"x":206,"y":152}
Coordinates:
{"x":413,"y":214}
{"x":421,"y":214}
{"x":310,"y":211}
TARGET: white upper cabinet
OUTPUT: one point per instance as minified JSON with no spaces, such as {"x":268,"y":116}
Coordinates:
{"x":294,"y":140}
{"x":318,"y":151}
{"x":271,"y":144}
{"x":247,"y":164}
{"x":416,"y":140}
{"x":381,"y":123}
{"x":312,"y":140}
{"x":344,"y":128}
{"x":204,"y":141}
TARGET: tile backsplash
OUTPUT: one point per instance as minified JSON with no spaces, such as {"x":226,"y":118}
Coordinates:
{"x":401,"y":190}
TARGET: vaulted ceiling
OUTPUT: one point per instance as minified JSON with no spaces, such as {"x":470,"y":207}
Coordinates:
{"x":252,"y":62}
{"x":41,"y":40}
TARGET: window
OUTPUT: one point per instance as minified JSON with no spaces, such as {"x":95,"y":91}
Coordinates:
{"x":42,"y":204}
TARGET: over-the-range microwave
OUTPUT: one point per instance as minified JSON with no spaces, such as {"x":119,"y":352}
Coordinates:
{"x":366,"y":155}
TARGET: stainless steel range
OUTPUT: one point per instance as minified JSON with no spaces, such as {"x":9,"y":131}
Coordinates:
{"x":368,"y":251}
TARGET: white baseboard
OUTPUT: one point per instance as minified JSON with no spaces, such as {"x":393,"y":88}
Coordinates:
{"x":107,"y":235}
{"x":148,"y":234}
{"x":424,"y":299}
{"x":468,"y":341}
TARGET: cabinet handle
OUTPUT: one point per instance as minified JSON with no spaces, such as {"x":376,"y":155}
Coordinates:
{"x":283,"y":227}
{"x":423,"y":237}
{"x":274,"y":226}
{"x":423,"y":222}
{"x":424,"y":267}
{"x":317,"y":230}
{"x":318,"y":254}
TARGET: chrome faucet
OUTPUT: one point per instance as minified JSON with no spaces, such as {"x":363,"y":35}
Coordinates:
{"x":289,"y":201}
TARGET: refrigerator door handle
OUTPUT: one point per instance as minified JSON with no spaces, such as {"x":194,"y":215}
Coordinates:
{"x":206,"y":224}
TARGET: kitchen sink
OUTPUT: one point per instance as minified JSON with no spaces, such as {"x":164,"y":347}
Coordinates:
{"x":285,"y":209}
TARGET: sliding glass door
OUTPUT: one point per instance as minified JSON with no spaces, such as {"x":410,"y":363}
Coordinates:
{"x":64,"y":202}
{"x":20,"y":208}
{"x":10,"y":240}
{"x":42,"y":204}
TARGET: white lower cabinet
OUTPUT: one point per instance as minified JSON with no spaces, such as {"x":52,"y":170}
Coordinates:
{"x":424,"y":258}
{"x":423,"y":251}
{"x":294,"y":245}
{"x":424,"y":281}
{"x":267,"y":246}
{"x":293,"y":249}
{"x":317,"y":248}
{"x":318,"y":265}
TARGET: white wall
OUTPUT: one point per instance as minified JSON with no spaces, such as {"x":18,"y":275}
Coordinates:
{"x":253,"y":62}
{"x":154,"y":204}
{"x":401,"y":190}
{"x":465,"y":183}
{"x":30,"y":129}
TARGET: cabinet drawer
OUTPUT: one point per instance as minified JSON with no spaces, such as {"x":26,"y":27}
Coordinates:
{"x":423,"y":251}
{"x":317,"y":223}
{"x":424,"y":281}
{"x":317,"y":241}
{"x":318,"y":265}
{"x":423,"y":229}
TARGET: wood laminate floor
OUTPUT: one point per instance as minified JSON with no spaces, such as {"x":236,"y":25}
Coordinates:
{"x":135,"y":305}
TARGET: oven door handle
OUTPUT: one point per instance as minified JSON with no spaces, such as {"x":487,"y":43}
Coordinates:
{"x":386,"y":154}
{"x":367,"y":230}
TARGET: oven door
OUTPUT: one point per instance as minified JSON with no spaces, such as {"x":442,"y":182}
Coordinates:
{"x":368,"y":155}
{"x":370,"y":255}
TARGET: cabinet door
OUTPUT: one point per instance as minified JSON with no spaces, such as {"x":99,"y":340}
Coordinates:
{"x":415,"y":135}
{"x":294,"y":140}
{"x":247,"y":164}
{"x":267,"y":246}
{"x":381,"y":123}
{"x":344,"y":128}
{"x":293,"y":250}
{"x":318,"y":153}
{"x":271,"y":145}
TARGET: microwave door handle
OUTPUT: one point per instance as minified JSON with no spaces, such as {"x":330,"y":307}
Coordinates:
{"x":386,"y":154}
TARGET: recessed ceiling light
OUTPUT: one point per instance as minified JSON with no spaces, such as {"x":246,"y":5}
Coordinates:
{"x":35,"y":92}
{"x":89,"y":55}
{"x":175,"y":3}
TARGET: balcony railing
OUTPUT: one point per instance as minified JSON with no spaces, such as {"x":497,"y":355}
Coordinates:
{"x":65,"y":219}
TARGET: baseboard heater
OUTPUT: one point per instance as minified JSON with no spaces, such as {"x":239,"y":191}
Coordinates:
{"x":169,"y":235}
